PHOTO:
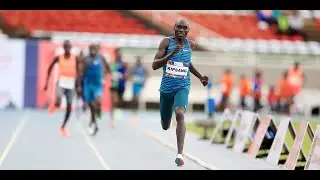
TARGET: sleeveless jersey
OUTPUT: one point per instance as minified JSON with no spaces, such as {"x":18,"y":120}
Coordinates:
{"x":118,"y":71}
{"x":67,"y":71}
{"x":138,"y":75}
{"x":93,"y":74}
{"x":176,"y":73}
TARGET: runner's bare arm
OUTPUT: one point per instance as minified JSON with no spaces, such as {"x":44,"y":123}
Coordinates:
{"x":55,"y":60}
{"x":193,"y":45}
{"x":78,"y":79}
{"x":83,"y":66}
{"x":160,"y":59}
{"x":126,"y":71}
{"x":106,"y":65}
{"x":194,"y":71}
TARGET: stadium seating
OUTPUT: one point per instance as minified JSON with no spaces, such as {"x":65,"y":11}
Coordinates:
{"x":261,"y":46}
{"x":239,"y":32}
{"x":231,"y":25}
{"x":75,"y":20}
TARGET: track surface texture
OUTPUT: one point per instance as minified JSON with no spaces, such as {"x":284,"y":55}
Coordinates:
{"x":30,"y":140}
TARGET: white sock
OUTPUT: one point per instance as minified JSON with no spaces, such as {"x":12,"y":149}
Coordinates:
{"x":180,"y":156}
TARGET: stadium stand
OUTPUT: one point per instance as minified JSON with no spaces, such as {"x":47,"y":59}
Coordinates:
{"x":218,"y":30}
{"x":238,"y":31}
{"x":97,"y":21}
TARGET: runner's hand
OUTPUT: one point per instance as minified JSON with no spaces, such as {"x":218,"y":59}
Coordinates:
{"x":204,"y":80}
{"x":176,"y":49}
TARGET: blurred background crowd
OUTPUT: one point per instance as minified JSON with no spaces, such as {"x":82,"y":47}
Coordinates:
{"x":255,"y":59}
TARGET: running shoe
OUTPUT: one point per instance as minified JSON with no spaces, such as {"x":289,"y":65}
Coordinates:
{"x":179,"y":160}
{"x":52,"y":108}
{"x":64,"y":132}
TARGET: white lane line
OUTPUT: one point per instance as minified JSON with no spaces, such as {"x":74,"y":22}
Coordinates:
{"x":185,"y":154}
{"x":13,"y":138}
{"x":93,"y":147}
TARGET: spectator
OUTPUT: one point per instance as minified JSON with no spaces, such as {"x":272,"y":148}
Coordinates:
{"x":276,"y":14}
{"x":272,"y":99}
{"x":296,"y":78}
{"x":257,"y":93}
{"x":244,"y":88}
{"x":226,"y":87}
{"x":211,"y":104}
{"x":283,"y":91}
{"x":296,"y":24}
{"x":283,"y":24}
{"x":267,"y":16}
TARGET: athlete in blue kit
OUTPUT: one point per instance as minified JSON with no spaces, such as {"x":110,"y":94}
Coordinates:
{"x":95,"y":66}
{"x":138,"y":75}
{"x":174,"y":57}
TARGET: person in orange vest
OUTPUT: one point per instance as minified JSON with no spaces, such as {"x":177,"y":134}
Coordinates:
{"x":226,"y":84}
{"x":285,"y":93}
{"x":244,"y":88}
{"x":272,"y":98}
{"x":67,"y":82}
{"x":296,"y":78}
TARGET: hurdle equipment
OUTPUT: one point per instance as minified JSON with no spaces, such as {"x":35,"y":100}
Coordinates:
{"x":292,"y":159}
{"x":313,"y":162}
{"x":260,"y":133}
{"x":243,"y":132}
{"x":278,"y":143}
{"x":232,"y":132}
{"x":224,"y":119}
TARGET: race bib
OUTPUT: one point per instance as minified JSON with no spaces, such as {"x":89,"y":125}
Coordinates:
{"x":67,"y":82}
{"x":176,"y":69}
{"x":138,"y":79}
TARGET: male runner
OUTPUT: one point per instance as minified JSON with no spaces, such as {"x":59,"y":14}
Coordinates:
{"x":138,"y":74}
{"x":119,"y":77}
{"x":105,"y":67}
{"x":68,"y":78}
{"x":106,"y":70}
{"x":93,"y":74}
{"x":174,"y":57}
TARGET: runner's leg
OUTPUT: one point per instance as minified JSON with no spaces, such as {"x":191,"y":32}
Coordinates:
{"x":180,"y":106}
{"x":69,"y":95}
{"x":57,"y":101}
{"x":96,"y":105}
{"x":166,"y":109}
{"x":114,"y":99}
